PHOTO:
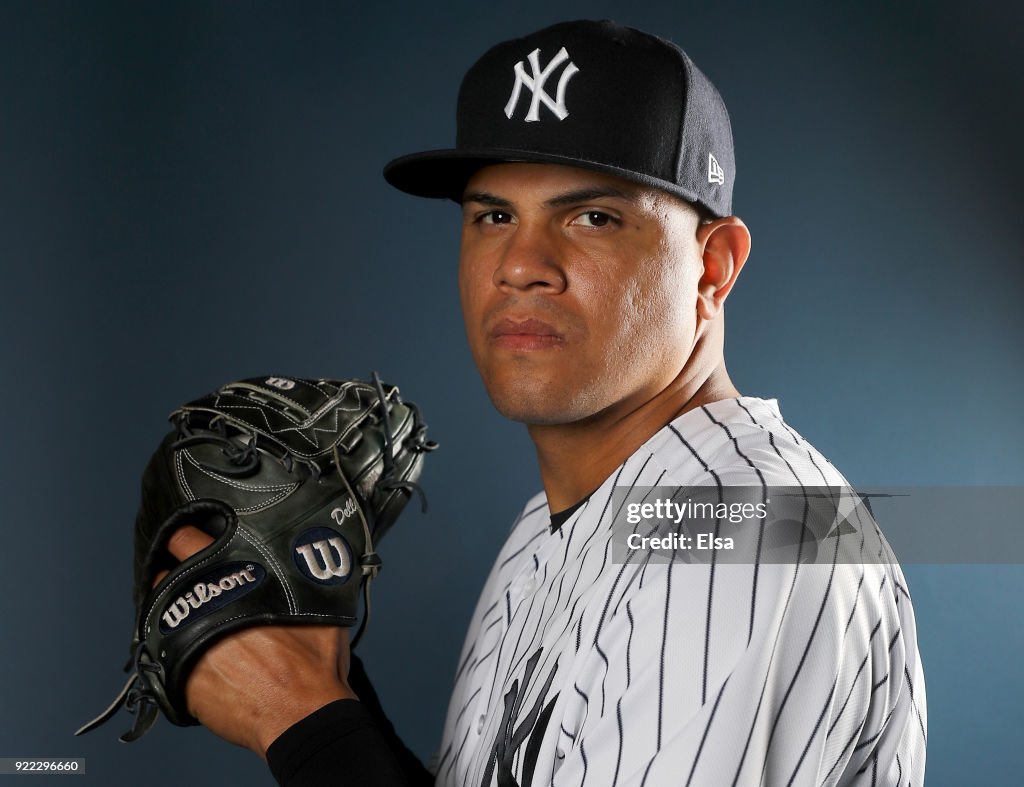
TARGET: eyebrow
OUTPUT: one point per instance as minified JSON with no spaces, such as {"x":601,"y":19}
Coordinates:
{"x":568,"y":198}
{"x":587,"y":194}
{"x":486,"y":198}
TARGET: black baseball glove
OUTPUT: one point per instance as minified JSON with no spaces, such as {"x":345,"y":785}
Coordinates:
{"x":297,"y":480}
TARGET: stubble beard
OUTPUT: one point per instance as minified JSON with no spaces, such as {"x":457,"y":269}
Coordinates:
{"x":546,"y":402}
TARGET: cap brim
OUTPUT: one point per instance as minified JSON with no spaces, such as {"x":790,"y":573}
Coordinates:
{"x":443,"y":174}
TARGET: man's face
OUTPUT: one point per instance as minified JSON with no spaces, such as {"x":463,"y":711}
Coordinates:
{"x":578,"y":290}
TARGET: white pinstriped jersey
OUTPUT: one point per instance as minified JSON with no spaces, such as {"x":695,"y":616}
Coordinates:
{"x":580,"y":671}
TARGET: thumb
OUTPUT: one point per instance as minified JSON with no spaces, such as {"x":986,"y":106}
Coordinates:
{"x":183,"y":543}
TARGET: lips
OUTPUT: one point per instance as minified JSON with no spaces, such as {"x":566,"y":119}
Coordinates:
{"x":525,"y":335}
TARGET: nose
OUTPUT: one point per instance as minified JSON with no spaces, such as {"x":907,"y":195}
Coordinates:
{"x":530,"y":261}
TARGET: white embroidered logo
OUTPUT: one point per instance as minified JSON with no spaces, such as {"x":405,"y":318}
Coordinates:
{"x":535,"y":84}
{"x":339,"y":514}
{"x":330,"y":567}
{"x":715,"y":172}
{"x":204,"y":592}
{"x":281,"y":383}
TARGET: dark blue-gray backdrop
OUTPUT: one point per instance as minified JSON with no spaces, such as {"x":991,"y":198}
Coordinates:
{"x":191,"y":192}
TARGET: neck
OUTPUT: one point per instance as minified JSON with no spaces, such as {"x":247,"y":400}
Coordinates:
{"x":576,"y":458}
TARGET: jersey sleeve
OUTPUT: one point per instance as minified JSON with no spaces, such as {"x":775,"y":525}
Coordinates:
{"x":747,"y":674}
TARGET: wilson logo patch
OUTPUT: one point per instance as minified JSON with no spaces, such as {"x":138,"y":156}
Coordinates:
{"x":210,"y":592}
{"x":323,"y":556}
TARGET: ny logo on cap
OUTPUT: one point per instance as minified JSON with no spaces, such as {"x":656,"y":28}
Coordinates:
{"x":535,"y":83}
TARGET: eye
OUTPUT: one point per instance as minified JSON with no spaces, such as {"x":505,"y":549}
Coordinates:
{"x":494,"y":217}
{"x":594,"y":218}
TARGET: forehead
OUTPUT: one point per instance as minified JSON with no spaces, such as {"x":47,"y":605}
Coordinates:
{"x":544,"y":181}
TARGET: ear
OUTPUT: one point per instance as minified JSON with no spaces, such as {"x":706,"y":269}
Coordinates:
{"x":725,"y":245}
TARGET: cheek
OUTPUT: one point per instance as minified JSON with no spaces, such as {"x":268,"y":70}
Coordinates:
{"x":475,"y":296}
{"x":469,"y":291}
{"x":655,"y":316}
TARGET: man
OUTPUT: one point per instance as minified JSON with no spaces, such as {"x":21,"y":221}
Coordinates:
{"x":594,"y":166}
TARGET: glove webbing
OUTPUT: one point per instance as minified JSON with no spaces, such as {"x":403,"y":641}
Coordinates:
{"x":370,"y":560}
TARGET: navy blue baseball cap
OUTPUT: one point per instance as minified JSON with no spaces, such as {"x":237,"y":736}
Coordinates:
{"x":587,"y":94}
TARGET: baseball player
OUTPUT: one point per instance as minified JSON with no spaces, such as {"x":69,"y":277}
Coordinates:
{"x":594,"y":167}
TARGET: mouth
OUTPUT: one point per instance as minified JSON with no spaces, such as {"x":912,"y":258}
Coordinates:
{"x":525,"y":335}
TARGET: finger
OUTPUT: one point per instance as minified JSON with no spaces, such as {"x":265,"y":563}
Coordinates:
{"x":184,"y":542}
{"x":187,"y":540}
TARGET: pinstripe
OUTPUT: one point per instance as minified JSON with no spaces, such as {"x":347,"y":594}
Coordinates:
{"x":611,"y":593}
{"x":491,"y":609}
{"x":444,"y":757}
{"x":458,"y":753}
{"x":856,"y":597}
{"x":483,"y":658}
{"x":618,"y":759}
{"x":828,"y":702}
{"x":584,"y":552}
{"x":789,"y":596}
{"x":704,"y":737}
{"x":523,"y":627}
{"x":711,"y":574}
{"x":856,"y":733}
{"x":707,"y":614}
{"x":803,"y":657}
{"x":913,"y":702}
{"x":760,"y":537}
{"x":664,"y":641}
{"x":873,"y":738}
{"x":647,"y":770}
{"x":467,"y":704}
{"x":604,"y":658}
{"x":529,"y":513}
{"x":810,"y":740}
{"x":522,"y":549}
{"x":629,"y":645}
{"x":637,"y":569}
{"x":764,"y":685}
{"x":465,"y":661}
{"x":856,"y":677}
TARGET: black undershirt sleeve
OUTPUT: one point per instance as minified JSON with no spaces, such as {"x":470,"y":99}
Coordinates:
{"x":347,"y":742}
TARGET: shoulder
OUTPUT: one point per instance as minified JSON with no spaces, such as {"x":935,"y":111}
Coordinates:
{"x":741,"y":441}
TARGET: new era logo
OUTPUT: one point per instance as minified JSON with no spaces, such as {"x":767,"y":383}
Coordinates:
{"x":534,"y":82}
{"x":715,"y":172}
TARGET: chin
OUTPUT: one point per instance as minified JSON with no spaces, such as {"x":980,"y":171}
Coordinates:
{"x":535,"y":406}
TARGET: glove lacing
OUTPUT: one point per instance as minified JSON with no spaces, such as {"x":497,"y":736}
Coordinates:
{"x":136,"y":696}
{"x":370,"y":560}
{"x":244,"y":457}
